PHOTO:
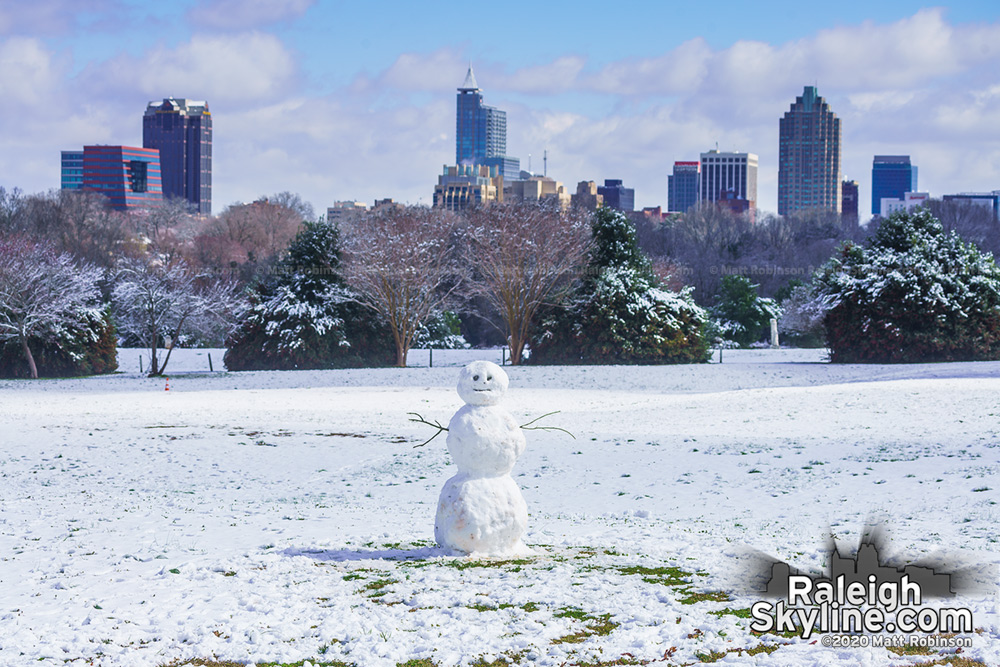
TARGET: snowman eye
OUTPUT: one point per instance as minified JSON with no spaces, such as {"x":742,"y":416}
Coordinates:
{"x":475,"y":377}
{"x":489,"y":378}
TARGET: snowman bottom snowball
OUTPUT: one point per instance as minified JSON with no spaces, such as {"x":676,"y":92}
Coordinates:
{"x":482,"y":516}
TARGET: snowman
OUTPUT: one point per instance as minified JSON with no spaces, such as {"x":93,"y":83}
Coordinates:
{"x":481,"y":510}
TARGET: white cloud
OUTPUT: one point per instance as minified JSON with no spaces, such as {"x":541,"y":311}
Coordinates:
{"x":330,"y":149}
{"x":244,"y":14}
{"x":50,"y":17}
{"x":218,"y":68}
{"x":28,"y":72}
{"x":435,"y":71}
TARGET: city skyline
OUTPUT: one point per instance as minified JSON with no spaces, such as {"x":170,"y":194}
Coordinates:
{"x":359,"y":108}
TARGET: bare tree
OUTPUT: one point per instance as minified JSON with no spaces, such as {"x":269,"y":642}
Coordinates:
{"x":41,"y":290}
{"x":263,"y":229}
{"x":155,"y":299}
{"x":403,"y":264}
{"x":165,"y":224}
{"x":707,"y":239}
{"x":525,"y":255}
{"x":972,"y":221}
{"x":11,"y":210}
{"x":292,"y":201}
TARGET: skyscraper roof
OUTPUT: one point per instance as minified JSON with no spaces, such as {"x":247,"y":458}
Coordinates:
{"x":470,"y":81}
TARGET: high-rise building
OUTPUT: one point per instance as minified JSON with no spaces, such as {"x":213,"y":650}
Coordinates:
{"x":729,"y":178}
{"x":892,"y":177}
{"x":71,"y":171}
{"x":344,"y":209}
{"x":481,"y":131}
{"x":128,"y":176}
{"x":987,"y":200}
{"x":809,"y":145}
{"x":682,"y":186}
{"x":908,"y":202}
{"x":182,"y":131}
{"x":537,"y":188}
{"x":465,"y":186}
{"x":849,"y":205}
{"x":587,"y":197}
{"x":616,"y":195}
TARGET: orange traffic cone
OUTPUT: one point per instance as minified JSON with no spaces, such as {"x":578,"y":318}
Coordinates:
{"x":168,"y":385}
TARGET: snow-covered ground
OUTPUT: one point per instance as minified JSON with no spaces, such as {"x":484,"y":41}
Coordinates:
{"x":282,"y":517}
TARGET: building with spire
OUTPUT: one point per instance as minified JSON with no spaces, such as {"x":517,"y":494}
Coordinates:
{"x":809,"y":168}
{"x":182,"y":131}
{"x":481,"y":131}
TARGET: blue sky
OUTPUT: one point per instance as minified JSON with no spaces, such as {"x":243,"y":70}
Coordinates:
{"x":345,"y":100}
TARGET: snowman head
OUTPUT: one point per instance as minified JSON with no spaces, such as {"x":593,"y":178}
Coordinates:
{"x":482,"y":383}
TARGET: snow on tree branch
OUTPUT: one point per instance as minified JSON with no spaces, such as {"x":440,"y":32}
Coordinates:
{"x":41,"y":290}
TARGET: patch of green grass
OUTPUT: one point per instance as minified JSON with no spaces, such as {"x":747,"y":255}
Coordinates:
{"x":352,"y":576}
{"x":712,"y":596}
{"x":624,"y":660}
{"x":486,"y":607}
{"x":374,"y":589}
{"x":506,"y":660}
{"x":595,"y":626}
{"x":711,"y":656}
{"x":666,"y":575}
{"x":909,"y":649}
{"x":530,"y":607}
{"x":739,"y":613}
{"x":423,"y":662}
{"x":460,"y":564}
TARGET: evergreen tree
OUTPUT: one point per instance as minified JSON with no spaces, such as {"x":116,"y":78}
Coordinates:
{"x":620,"y":314}
{"x":303,"y":317}
{"x":741,"y":314}
{"x":913,"y":293}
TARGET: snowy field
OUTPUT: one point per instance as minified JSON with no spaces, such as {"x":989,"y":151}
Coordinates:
{"x":287,"y":517}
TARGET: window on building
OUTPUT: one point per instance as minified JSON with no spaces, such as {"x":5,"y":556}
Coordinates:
{"x":138,"y":175}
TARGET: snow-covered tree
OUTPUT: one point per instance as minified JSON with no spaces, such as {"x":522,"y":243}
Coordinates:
{"x":526,"y":255}
{"x":302,"y":318}
{"x":441,"y":332}
{"x":42,"y":291}
{"x":620,"y":313}
{"x":402,"y":262}
{"x":158,"y":300}
{"x":912,"y":293}
{"x":741,"y":314}
{"x":802,"y":315}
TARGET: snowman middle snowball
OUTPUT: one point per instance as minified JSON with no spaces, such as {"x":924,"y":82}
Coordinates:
{"x":481,"y":510}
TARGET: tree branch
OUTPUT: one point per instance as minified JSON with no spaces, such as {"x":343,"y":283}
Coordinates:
{"x":420,"y":420}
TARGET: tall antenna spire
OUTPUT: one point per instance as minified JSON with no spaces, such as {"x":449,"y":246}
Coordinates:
{"x":470,"y":80}
{"x":545,"y":162}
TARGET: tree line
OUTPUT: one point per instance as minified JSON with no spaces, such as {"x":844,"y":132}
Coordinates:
{"x":281,"y":288}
